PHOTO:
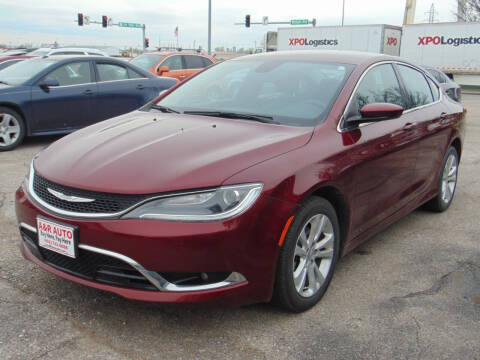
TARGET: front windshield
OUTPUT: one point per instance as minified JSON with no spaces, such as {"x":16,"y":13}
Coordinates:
{"x":25,"y":70}
{"x":146,"y":62}
{"x":290,"y":92}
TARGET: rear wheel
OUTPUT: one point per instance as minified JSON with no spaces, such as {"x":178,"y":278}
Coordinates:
{"x":308,"y":256}
{"x":12,"y":129}
{"x":447,"y":182}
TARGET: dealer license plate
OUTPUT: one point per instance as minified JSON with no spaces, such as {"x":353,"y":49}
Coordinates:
{"x":57,"y":237}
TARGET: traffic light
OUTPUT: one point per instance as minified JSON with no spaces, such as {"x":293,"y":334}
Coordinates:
{"x":104,"y":21}
{"x":80,"y":19}
{"x":247,"y":20}
{"x":147,"y":42}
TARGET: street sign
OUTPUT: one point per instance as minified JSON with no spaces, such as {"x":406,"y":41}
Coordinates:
{"x":299,"y":22}
{"x":130,"y":25}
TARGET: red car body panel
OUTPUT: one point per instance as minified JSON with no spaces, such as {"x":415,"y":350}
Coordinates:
{"x":373,"y":175}
{"x":13,"y":57}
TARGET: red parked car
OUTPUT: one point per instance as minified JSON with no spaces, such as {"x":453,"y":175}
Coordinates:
{"x":245,"y":183}
{"x":6,"y":61}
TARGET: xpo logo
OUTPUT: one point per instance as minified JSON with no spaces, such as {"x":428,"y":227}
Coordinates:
{"x":442,"y":40}
{"x":314,"y":43}
{"x":392,"y":41}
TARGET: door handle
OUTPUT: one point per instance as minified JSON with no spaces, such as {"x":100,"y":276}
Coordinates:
{"x":140,"y":87}
{"x":409,"y":126}
{"x":88,"y":92}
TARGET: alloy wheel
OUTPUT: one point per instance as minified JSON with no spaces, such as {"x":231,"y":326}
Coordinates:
{"x":313,"y":255}
{"x":449,"y":178}
{"x":9,"y":129}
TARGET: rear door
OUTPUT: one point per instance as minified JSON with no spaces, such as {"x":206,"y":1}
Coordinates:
{"x":431,"y":121}
{"x":385,"y":154}
{"x":195,"y":63}
{"x":176,"y":66}
{"x":69,"y":105}
{"x":120,"y":90}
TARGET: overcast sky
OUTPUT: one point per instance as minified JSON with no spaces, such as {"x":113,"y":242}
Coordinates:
{"x":47,"y":21}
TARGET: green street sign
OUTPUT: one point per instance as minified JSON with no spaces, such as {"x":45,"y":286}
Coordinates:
{"x":299,"y":22}
{"x":131,"y":25}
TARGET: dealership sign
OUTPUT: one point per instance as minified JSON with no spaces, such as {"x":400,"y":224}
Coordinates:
{"x":442,"y":40}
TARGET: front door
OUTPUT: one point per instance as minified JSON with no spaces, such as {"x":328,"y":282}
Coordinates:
{"x":67,"y":106}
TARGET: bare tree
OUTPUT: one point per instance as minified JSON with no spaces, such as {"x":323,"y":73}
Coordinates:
{"x":468,"y":10}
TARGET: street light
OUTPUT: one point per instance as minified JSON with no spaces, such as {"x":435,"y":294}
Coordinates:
{"x":209,"y":27}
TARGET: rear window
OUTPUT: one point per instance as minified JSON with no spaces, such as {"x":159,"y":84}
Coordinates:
{"x":194,"y":62}
{"x":146,"y":62}
{"x":418,"y":90}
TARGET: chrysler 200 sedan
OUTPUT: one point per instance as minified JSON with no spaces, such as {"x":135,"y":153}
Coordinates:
{"x":247,"y":182}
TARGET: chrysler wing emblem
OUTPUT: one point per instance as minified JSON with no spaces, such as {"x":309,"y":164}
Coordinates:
{"x":69,"y":198}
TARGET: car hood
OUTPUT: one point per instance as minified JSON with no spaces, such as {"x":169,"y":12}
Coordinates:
{"x":145,"y":152}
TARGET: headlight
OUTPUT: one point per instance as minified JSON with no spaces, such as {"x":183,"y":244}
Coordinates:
{"x":210,"y":205}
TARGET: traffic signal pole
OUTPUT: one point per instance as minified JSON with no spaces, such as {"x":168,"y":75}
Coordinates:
{"x":106,"y":22}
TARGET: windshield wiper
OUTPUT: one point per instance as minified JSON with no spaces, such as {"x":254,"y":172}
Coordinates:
{"x":232,"y":115}
{"x":164,"y":109}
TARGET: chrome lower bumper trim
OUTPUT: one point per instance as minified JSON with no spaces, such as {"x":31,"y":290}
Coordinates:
{"x":156,"y":279}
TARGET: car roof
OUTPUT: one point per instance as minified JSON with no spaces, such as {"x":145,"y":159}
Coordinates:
{"x":337,"y":56}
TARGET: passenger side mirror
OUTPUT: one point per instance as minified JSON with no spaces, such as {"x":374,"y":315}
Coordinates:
{"x":377,"y":112}
{"x":163,"y":69}
{"x":48,"y":82}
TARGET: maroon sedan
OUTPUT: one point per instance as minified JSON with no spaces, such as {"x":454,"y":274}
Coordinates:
{"x":245,"y":183}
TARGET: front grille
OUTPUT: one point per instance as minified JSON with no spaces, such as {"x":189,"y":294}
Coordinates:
{"x":93,"y":266}
{"x":105,"y":203}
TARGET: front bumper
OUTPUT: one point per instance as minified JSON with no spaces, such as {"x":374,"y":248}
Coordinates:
{"x":245,"y":248}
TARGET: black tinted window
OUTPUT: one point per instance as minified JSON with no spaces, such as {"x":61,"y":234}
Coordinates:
{"x":437,"y":75}
{"x":111,"y":72}
{"x":435,"y":90}
{"x":206,"y":62}
{"x":68,"y":53}
{"x":194,"y":62}
{"x":76,"y":73}
{"x":173,"y":62}
{"x":379,"y":85}
{"x":418,"y":91}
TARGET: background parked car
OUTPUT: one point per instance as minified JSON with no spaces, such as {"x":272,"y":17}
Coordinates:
{"x":68,"y":51}
{"x":60,"y":94}
{"x":6,"y":61}
{"x":452,"y":89}
{"x":179,"y":65}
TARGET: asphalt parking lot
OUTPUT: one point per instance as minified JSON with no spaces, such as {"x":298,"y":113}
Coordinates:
{"x":411,"y":292}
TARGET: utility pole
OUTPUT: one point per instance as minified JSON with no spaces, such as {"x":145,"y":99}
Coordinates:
{"x":343,"y":11}
{"x":209,"y":27}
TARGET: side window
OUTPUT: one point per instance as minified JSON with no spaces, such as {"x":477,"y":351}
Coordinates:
{"x":434,"y":88}
{"x":418,"y":91}
{"x":111,"y":72}
{"x":68,"y":53}
{"x":132,"y":74}
{"x":438,"y":76}
{"x":95,"y":54}
{"x":75,"y":73}
{"x":206,"y":62}
{"x":379,"y":85}
{"x":193,"y":62}
{"x":173,"y":62}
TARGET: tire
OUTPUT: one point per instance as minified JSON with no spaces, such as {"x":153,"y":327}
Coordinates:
{"x":447,"y":182}
{"x":12,"y":129}
{"x":293,"y":261}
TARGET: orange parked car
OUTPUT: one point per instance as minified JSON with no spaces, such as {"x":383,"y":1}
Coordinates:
{"x":178,"y":64}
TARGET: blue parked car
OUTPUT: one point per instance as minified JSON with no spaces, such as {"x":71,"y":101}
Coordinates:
{"x":60,"y":94}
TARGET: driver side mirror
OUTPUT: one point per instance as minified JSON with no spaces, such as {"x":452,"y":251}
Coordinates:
{"x":163,"y":69}
{"x":48,"y":82}
{"x":377,"y":112}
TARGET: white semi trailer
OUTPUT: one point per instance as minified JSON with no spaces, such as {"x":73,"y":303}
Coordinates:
{"x":452,"y":47}
{"x":372,"y":38}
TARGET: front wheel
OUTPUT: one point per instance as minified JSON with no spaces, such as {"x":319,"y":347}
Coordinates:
{"x":447,"y":182}
{"x":308,"y":256}
{"x":12,"y":129}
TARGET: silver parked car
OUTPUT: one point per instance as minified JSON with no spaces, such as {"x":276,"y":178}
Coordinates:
{"x":452,"y":89}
